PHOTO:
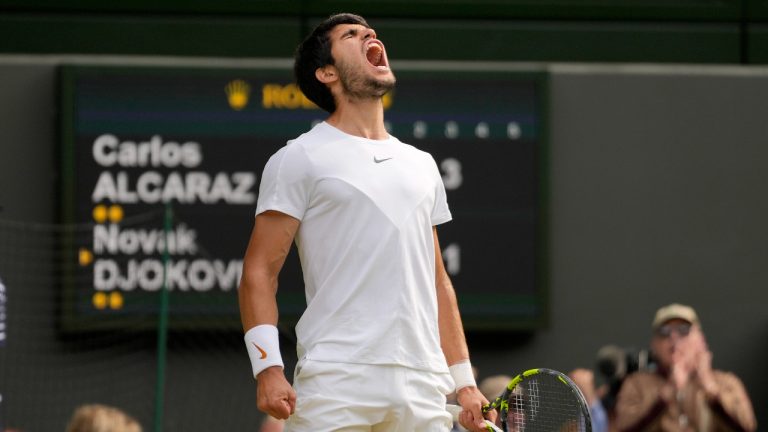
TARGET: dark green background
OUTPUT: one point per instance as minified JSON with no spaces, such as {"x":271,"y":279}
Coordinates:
{"x":681,"y":31}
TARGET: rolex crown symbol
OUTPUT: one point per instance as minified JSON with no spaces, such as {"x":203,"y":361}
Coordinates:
{"x":238,"y":92}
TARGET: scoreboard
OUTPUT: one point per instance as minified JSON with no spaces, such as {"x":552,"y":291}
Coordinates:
{"x":139,"y":140}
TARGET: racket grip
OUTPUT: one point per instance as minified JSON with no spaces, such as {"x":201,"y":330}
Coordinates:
{"x":492,"y":427}
{"x":455,"y":410}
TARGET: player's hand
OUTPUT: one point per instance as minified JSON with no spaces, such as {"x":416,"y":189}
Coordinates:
{"x":471,"y":416}
{"x":274,"y":395}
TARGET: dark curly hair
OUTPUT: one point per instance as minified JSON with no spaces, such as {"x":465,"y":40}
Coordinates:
{"x":315,"y":52}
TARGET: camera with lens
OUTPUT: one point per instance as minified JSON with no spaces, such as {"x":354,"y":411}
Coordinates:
{"x":614,"y":363}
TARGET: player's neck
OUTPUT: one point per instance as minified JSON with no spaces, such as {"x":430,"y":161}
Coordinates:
{"x":360,"y":118}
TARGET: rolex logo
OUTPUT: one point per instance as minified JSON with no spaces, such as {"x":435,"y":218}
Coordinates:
{"x":238,"y":92}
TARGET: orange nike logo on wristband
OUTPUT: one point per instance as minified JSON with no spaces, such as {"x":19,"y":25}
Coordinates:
{"x":263,"y":353}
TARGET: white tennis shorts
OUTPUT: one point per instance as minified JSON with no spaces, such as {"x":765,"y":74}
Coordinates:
{"x":347,"y":397}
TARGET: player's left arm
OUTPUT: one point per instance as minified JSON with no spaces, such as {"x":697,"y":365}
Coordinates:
{"x":454,"y":344}
{"x":452,"y":337}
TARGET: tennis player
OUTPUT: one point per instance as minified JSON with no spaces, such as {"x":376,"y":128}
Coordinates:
{"x":381,"y":342}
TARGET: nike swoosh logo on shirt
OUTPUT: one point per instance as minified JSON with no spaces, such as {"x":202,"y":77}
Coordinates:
{"x":377,"y":160}
{"x":263,"y":353}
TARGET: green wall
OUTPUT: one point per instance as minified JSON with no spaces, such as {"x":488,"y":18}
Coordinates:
{"x":659,"y":31}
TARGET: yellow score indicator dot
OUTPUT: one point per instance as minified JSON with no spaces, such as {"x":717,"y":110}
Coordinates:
{"x":85,"y":257}
{"x":99,"y":300}
{"x":115,"y":213}
{"x":113,"y":300}
{"x":100,"y":213}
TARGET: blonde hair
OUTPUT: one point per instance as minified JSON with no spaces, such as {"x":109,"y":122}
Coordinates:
{"x":101,"y":418}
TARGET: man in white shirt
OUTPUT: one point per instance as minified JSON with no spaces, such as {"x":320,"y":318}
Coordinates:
{"x":381,"y":341}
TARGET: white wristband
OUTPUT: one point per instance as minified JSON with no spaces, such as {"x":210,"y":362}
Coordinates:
{"x":263,"y":345}
{"x":462,"y":375}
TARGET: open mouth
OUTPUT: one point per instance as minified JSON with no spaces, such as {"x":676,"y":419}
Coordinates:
{"x":376,"y":56}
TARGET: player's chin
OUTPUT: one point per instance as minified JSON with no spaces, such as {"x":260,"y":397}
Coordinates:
{"x":384,"y":79}
{"x":378,"y":88}
{"x":388,"y":82}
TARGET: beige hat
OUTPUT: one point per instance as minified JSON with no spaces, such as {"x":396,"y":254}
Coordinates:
{"x":672,"y":311}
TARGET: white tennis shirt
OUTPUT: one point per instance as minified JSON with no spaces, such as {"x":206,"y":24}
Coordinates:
{"x":367,"y":208}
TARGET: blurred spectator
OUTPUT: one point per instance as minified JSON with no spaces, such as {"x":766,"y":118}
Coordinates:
{"x":101,"y":418}
{"x":492,"y":386}
{"x":613,"y":364}
{"x":684,"y":393}
{"x":585,"y":379}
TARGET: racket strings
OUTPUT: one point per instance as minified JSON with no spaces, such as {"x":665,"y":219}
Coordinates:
{"x":544,"y":404}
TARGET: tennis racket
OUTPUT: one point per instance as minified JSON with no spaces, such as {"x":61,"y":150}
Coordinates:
{"x":539,"y":400}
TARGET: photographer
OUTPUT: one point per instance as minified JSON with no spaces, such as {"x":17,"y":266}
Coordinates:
{"x":613,"y":364}
{"x":684,"y":393}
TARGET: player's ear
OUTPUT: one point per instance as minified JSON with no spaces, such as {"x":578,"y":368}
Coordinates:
{"x":326,"y":74}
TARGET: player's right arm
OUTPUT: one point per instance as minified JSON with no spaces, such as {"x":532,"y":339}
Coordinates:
{"x":271,"y":239}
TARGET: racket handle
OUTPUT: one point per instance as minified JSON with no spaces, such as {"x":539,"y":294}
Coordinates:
{"x":455,"y":410}
{"x":492,"y":427}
